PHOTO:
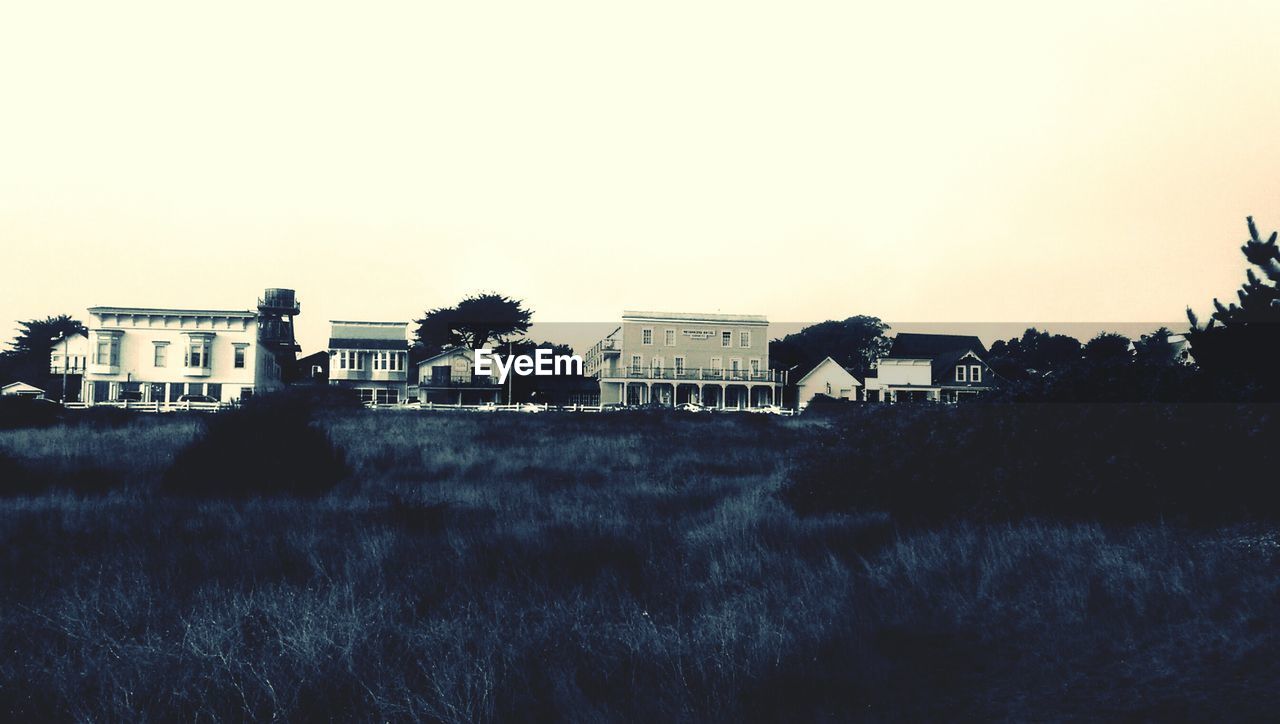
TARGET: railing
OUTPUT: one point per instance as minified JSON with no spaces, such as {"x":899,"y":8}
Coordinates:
{"x":480,"y":381}
{"x":692,"y":374}
{"x":153,"y":406}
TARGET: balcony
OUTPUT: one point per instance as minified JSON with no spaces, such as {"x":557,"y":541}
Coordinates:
{"x":673,"y":374}
{"x":610,"y":346}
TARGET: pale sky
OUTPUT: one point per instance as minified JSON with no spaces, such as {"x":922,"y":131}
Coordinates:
{"x":957,"y":162}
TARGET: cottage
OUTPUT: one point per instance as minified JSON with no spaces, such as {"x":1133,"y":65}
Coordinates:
{"x":449,"y":378}
{"x":936,"y":367}
{"x":826,"y":378}
{"x":21,"y":389}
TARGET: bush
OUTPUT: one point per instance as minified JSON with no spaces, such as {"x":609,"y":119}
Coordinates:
{"x":18,"y":412}
{"x":1110,"y":462}
{"x":268,"y":447}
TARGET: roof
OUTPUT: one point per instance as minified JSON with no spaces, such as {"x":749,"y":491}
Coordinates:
{"x":694,"y":317}
{"x":187,"y":312}
{"x":466,"y":352}
{"x":909,"y":345}
{"x":823,"y":363}
{"x":21,"y":386}
{"x":367,"y":343}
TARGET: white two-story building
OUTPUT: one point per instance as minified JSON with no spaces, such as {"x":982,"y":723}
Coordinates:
{"x":673,"y":358}
{"x":371,"y":358}
{"x":143,"y":354}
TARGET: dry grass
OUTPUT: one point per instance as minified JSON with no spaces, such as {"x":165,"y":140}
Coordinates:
{"x":612,"y":568}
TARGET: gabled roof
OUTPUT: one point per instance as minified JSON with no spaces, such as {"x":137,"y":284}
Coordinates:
{"x":465,"y":351}
{"x":20,"y":386}
{"x":824,"y":363}
{"x":910,"y":345}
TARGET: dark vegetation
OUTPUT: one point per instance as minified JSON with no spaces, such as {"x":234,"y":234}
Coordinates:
{"x":630,"y":566}
{"x":1189,"y":464}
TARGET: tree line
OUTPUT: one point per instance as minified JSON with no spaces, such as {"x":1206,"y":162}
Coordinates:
{"x":1235,"y":353}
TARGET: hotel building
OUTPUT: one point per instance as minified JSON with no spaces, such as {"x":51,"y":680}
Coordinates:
{"x":673,"y":358}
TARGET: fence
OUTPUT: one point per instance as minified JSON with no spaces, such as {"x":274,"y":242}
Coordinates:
{"x":429,"y":406}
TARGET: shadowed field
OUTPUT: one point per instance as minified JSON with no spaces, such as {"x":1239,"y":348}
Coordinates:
{"x":588,"y":568}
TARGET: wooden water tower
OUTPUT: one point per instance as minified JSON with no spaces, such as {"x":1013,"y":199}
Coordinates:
{"x":276,"y":310}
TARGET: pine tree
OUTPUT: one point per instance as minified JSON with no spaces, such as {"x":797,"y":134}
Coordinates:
{"x":1240,"y":344}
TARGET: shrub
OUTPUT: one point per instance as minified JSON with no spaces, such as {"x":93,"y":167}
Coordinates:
{"x":17,"y":412}
{"x":268,"y":447}
{"x":1116,"y":462}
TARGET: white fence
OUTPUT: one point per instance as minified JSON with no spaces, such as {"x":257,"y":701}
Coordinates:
{"x":525,"y":407}
{"x":154,"y":406}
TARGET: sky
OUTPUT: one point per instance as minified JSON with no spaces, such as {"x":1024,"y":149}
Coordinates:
{"x":950,"y":163}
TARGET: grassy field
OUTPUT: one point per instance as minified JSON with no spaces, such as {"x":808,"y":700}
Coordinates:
{"x":597,"y":568}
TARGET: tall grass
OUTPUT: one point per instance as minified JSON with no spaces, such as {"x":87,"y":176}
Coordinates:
{"x":480,"y":568}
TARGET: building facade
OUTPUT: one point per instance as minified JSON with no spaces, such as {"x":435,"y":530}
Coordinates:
{"x":140,"y":354}
{"x":826,"y":378}
{"x":449,"y":378}
{"x":676,"y":358}
{"x":69,"y":355}
{"x":371,"y":358}
{"x":931,"y":367}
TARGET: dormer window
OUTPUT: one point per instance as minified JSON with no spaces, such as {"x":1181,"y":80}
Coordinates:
{"x":975,"y":373}
{"x":962,"y":373}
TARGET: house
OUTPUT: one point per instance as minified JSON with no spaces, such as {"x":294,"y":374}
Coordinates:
{"x":672,"y":358}
{"x":312,"y":369}
{"x":937,"y":367}
{"x":146,"y":354}
{"x":69,"y":355}
{"x":21,"y":389}
{"x":67,"y":362}
{"x":448,"y":378}
{"x":371,"y":358}
{"x":826,"y":378}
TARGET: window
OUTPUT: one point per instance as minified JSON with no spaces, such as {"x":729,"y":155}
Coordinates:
{"x":671,"y":338}
{"x":387,"y":397}
{"x":657,"y":366}
{"x":161,"y":358}
{"x":198,"y":353}
{"x":215,"y":391}
{"x":108,"y":350}
{"x":961,"y":375}
{"x":246,"y":393}
{"x":975,"y":373}
{"x":636,"y":362}
{"x":744,"y":339}
{"x":646,"y":336}
{"x":716,"y":365}
{"x":679,"y":366}
{"x":755,"y":366}
{"x":239,"y":356}
{"x":726,"y":339}
{"x":176,"y":390}
{"x":366,"y":396}
{"x":735,"y":366}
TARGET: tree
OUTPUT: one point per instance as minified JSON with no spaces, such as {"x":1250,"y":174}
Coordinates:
{"x":854,"y":343}
{"x":1108,"y":348}
{"x":1240,"y":345}
{"x":1033,"y":354}
{"x":474,"y":322}
{"x":27,"y":359}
